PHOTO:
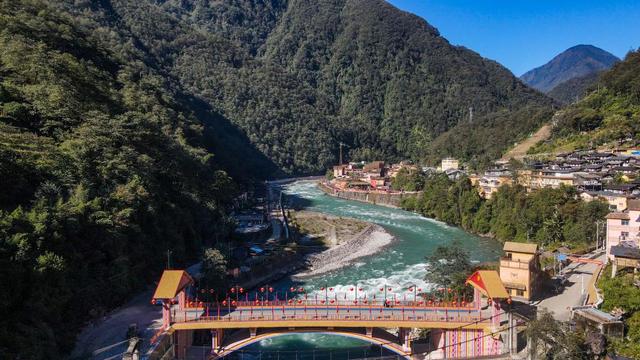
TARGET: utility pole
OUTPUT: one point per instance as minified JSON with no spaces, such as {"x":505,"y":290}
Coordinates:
{"x":341,"y":145}
{"x":169,"y":252}
{"x":470,"y":115}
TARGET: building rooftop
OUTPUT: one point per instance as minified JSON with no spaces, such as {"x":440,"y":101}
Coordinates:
{"x":597,"y":315}
{"x":633,"y":205}
{"x":618,"y":216}
{"x":488,"y":283}
{"x":625,"y":252}
{"x":171,"y":283}
{"x":525,"y":248}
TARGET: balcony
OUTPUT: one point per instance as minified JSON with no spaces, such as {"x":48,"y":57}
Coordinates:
{"x":515,"y":264}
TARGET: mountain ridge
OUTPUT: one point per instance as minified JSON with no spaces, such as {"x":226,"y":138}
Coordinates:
{"x":364,"y":73}
{"x":576,"y":61}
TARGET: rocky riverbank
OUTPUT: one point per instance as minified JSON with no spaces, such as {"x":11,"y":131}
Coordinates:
{"x":369,"y":241}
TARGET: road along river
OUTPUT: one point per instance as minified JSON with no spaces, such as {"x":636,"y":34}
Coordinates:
{"x":399,"y":265}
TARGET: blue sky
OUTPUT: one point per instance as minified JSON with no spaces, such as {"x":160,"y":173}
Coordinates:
{"x":523,"y":35}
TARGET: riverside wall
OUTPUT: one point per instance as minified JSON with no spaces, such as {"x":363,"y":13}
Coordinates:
{"x":377,"y":198}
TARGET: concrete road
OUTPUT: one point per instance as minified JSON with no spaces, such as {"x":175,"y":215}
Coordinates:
{"x":113,"y":329}
{"x":579,"y":276}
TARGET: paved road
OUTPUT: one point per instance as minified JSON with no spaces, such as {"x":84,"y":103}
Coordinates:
{"x":579,"y":276}
{"x":113,"y":328}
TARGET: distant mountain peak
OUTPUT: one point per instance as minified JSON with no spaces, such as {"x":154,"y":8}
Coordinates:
{"x":577,"y":61}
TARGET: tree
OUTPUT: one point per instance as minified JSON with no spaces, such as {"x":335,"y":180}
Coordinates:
{"x":551,"y":339}
{"x":449,"y":266}
{"x":214,"y":269}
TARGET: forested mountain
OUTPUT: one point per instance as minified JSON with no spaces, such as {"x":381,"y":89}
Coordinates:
{"x":607,"y":117}
{"x":575,"y":62}
{"x":105,"y":164}
{"x":574,"y":89}
{"x":300,"y":76}
{"x":121,"y":121}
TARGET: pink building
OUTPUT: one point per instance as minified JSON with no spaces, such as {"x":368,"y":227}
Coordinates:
{"x":623,"y":228}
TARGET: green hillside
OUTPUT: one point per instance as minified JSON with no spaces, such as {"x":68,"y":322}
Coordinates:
{"x":608,"y":117}
{"x":105,"y":164}
{"x":300,"y":76}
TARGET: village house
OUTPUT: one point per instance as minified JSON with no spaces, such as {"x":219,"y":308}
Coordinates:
{"x":617,"y":202}
{"x":623,"y":229}
{"x":520,"y":270}
{"x":491,"y":181}
{"x":339,"y":171}
{"x":449,"y":164}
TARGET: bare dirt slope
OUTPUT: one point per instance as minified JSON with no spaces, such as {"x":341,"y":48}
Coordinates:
{"x":520,"y":150}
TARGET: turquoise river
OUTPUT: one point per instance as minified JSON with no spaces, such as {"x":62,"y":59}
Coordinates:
{"x":400,"y":265}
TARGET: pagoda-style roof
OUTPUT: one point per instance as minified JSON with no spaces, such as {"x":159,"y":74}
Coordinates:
{"x":171,"y":283}
{"x":488,"y":283}
{"x":524,"y":248}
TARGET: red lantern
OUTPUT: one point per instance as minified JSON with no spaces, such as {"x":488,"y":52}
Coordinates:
{"x":449,"y":290}
{"x":381,"y":289}
{"x":233,"y":290}
{"x":322,"y":288}
{"x":233,"y":303}
{"x":211,"y":291}
{"x":330,"y":289}
{"x":153,"y":301}
{"x":355,"y":301}
{"x":389,"y":289}
{"x":261,"y":289}
{"x":241,"y":290}
{"x":360,"y":289}
{"x":332,"y":301}
{"x":290,"y":301}
{"x":419,"y":289}
{"x":411,"y":289}
{"x":351,"y":289}
{"x":224,"y":302}
{"x":270,"y":289}
{"x":299,"y":301}
{"x":365,"y":301}
{"x":301,"y":290}
{"x":202,"y":291}
{"x":293,"y":289}
{"x":509,"y":300}
{"x":397,"y":302}
{"x":322,"y":301}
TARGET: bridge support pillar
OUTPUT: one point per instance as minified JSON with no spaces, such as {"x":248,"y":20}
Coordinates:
{"x":369,"y":331}
{"x":216,"y":339}
{"x":166,"y":314}
{"x":403,"y":336}
{"x":253,"y":332}
{"x":183,"y":339}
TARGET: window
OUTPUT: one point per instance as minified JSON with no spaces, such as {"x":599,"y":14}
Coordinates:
{"x":624,"y":222}
{"x":520,"y":292}
{"x":509,"y":256}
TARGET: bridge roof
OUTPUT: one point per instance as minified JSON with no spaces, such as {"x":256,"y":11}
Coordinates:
{"x":488,"y":283}
{"x":171,"y":283}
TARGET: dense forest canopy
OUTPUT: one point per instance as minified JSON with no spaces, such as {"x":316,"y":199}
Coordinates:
{"x":300,"y":76}
{"x":126,"y":127}
{"x":105,"y":164}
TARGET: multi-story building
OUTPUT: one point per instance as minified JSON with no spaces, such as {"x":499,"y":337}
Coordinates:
{"x":623,"y":228}
{"x":449,"y":164}
{"x":520,"y":269}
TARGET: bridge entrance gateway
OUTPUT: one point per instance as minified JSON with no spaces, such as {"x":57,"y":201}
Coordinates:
{"x":460,"y":326}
